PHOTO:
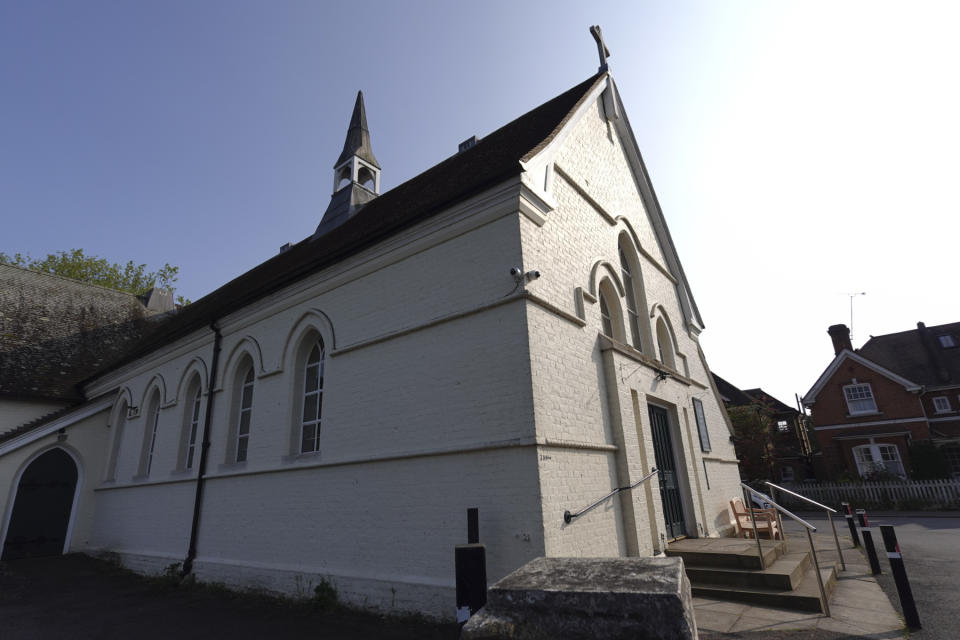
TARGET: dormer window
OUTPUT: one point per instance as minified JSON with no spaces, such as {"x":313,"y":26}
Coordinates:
{"x":941,"y":404}
{"x":860,"y":399}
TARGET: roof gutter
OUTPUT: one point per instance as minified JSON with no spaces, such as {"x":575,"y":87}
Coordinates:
{"x":204,"y":452}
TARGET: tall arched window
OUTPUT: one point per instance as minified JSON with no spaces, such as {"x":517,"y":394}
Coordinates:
{"x":119,"y":423}
{"x":191,"y":422}
{"x":245,"y":411}
{"x":633,"y":315}
{"x":611,"y":317}
{"x":152,"y":417}
{"x":665,"y":344}
{"x":312,"y":399}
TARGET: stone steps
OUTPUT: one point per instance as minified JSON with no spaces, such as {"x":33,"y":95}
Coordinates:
{"x":729,"y":569}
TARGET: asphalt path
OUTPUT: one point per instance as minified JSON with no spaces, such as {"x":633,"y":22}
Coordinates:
{"x":931,"y":556}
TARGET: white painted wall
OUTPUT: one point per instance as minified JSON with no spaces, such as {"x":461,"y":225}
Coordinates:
{"x":14,"y":412}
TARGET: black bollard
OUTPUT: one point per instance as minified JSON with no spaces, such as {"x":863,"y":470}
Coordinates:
{"x":900,"y":576}
{"x":848,"y":514}
{"x":868,"y":542}
{"x":470,"y":563}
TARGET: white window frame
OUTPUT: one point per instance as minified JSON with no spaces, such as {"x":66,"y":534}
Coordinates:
{"x":941,"y":404}
{"x":245,"y":411}
{"x":870,"y":458}
{"x":858,"y":388}
{"x":312,"y":422}
{"x":783,"y":426}
{"x":633,"y":315}
{"x":155,"y":419}
{"x":606,"y":321}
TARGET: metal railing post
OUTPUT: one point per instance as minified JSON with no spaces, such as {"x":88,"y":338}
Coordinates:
{"x":753,"y":518}
{"x":824,"y":605}
{"x":836,"y":539}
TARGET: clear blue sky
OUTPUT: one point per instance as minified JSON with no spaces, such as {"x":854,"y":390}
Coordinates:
{"x":800,"y":151}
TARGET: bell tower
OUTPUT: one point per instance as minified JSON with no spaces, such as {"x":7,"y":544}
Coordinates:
{"x":356,"y":173}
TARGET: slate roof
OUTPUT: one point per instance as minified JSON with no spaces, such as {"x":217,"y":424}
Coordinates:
{"x":730,"y":394}
{"x":769,"y":400}
{"x":917,"y":355}
{"x":493,"y":160}
{"x":55,"y":331}
{"x":357,"y":142}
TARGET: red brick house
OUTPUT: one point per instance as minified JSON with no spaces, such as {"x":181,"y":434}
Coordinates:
{"x":870,"y":404}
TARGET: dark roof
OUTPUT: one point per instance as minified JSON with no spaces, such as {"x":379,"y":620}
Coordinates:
{"x":491,"y":161}
{"x":730,"y":394}
{"x":54,"y":332}
{"x":358,"y":136}
{"x":917,"y":354}
{"x":765,"y":398}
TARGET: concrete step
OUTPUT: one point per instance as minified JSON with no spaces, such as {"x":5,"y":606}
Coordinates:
{"x":805,"y":597}
{"x":784,"y":574}
{"x":730,"y":553}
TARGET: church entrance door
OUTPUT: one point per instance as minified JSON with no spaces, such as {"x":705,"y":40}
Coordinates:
{"x":667,"y":467}
{"x":41,"y":510}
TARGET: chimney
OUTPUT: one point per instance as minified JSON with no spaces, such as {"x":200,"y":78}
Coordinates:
{"x":840,"y":335}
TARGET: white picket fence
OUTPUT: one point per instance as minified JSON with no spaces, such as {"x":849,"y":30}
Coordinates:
{"x":908,"y":494}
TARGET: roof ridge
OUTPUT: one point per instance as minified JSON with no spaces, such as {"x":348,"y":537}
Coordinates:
{"x":73,"y":280}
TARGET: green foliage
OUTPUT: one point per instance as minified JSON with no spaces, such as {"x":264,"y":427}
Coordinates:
{"x":754,"y":441}
{"x":927,"y":462}
{"x":325,"y":596}
{"x":75,"y":264}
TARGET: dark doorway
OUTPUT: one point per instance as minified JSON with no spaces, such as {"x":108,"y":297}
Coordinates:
{"x":41,"y":511}
{"x":667,"y":468}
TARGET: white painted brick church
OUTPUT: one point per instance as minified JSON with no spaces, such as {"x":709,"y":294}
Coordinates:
{"x":510,"y":330}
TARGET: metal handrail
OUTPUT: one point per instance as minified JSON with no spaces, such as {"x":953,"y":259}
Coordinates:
{"x":568,"y":517}
{"x":824,"y":605}
{"x":836,"y":539}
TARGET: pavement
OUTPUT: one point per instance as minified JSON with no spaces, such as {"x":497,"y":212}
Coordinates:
{"x":859,"y":607}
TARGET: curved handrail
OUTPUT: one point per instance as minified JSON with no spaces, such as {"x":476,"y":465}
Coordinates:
{"x":769,"y":500}
{"x":568,"y":517}
{"x":797,"y":495}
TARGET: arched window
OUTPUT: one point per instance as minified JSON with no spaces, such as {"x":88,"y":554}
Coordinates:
{"x":245,"y":410}
{"x":191,"y":423}
{"x":152,"y":417}
{"x":633,"y":315}
{"x":611,"y":318}
{"x":119,"y":423}
{"x":312,"y":399}
{"x":665,"y":344}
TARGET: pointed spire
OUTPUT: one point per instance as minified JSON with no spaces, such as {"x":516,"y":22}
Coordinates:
{"x":358,"y":136}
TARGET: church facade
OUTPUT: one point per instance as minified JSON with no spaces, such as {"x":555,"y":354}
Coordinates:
{"x":511,"y":330}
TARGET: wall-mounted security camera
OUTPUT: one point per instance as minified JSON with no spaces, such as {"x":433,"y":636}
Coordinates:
{"x":515,"y":272}
{"x":532,"y":275}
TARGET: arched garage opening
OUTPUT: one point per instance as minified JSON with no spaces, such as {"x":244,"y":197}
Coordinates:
{"x":41,"y":511}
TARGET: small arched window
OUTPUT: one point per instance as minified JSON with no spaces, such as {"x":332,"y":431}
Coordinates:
{"x":611,"y":317}
{"x":665,"y":344}
{"x":119,"y":423}
{"x":312,"y":399}
{"x":245,"y":412}
{"x":606,"y":323}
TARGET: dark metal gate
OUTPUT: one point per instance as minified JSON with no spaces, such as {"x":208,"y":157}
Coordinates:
{"x":667,"y":466}
{"x":41,"y":512}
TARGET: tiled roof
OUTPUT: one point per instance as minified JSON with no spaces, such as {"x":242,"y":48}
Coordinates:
{"x":494,"y":159}
{"x":917,"y":355}
{"x":54,"y":332}
{"x":730,"y":394}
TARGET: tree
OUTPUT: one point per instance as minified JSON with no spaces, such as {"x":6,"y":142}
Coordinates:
{"x":754,"y":442}
{"x":75,"y":264}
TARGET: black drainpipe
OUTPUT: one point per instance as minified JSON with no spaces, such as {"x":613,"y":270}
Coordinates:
{"x":204,"y":449}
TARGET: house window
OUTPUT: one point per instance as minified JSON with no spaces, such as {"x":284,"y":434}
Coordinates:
{"x":859,"y":399}
{"x":665,"y":344}
{"x":633,"y":317}
{"x":154,"y":419}
{"x":194,"y":418}
{"x":941,"y":404}
{"x":243,"y":421}
{"x":871,"y":458}
{"x":701,"y":426}
{"x":947,"y":342}
{"x":783,"y":426}
{"x":786,"y":474}
{"x":312,"y":400}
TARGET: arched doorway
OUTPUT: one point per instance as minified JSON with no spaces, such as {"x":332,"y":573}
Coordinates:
{"x":41,"y":511}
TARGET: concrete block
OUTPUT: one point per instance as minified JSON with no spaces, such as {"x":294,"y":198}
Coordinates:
{"x":571,"y":598}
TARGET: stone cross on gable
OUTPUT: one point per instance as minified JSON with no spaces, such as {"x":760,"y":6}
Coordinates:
{"x":601,"y":47}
